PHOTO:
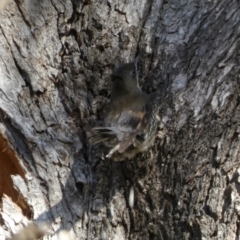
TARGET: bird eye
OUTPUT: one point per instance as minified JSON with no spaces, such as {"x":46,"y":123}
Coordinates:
{"x":133,"y":73}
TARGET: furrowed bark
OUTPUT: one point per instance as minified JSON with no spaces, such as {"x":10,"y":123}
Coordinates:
{"x":56,"y":58}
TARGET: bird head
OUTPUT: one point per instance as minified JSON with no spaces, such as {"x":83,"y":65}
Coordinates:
{"x":125,"y":76}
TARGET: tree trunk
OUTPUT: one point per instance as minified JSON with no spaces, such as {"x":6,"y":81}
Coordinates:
{"x":56,"y":58}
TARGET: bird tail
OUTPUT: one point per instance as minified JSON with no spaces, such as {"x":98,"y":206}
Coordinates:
{"x":100,"y":134}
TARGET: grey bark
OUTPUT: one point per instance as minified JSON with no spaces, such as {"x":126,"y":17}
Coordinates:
{"x":56,"y":58}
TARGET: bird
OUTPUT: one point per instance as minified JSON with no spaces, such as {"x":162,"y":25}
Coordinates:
{"x":30,"y":232}
{"x":130,"y":122}
{"x":34,"y":231}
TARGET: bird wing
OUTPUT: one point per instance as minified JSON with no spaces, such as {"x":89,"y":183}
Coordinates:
{"x":100,"y":134}
{"x":129,"y":124}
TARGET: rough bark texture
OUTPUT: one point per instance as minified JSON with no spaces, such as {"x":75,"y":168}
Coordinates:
{"x":56,"y":58}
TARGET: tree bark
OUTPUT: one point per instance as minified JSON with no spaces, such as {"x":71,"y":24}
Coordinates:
{"x":56,"y":58}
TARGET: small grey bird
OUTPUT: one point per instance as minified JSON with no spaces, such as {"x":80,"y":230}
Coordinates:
{"x":130,"y":123}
